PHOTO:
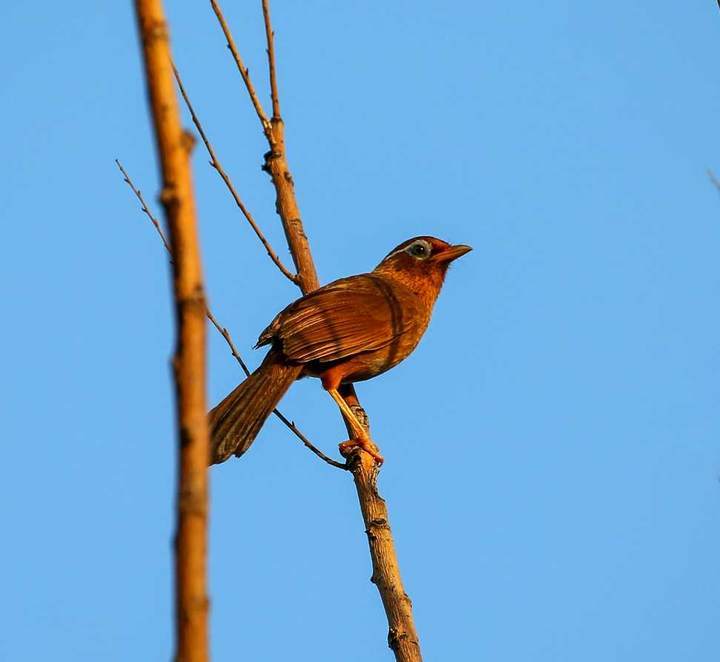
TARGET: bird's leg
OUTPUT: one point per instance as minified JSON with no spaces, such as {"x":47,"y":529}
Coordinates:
{"x":360,"y":434}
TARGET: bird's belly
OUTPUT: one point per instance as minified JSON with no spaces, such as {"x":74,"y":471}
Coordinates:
{"x":371,"y":364}
{"x":365,"y":365}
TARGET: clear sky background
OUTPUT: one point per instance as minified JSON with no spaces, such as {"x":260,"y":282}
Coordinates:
{"x":552,"y":446}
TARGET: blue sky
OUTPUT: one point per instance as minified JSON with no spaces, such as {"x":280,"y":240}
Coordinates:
{"x":552,"y":452}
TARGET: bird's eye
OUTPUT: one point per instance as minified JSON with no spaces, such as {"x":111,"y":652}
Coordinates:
{"x":419,"y":249}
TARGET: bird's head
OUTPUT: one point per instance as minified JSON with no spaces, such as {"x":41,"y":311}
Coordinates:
{"x":421,"y":261}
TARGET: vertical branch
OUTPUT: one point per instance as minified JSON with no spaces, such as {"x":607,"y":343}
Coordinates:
{"x":402,"y":636}
{"x":173,"y":147}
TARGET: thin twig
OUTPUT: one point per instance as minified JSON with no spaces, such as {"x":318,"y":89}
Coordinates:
{"x":144,"y":207}
{"x":225,"y":333}
{"x":245,"y":73}
{"x":228,"y":339}
{"x":306,"y":441}
{"x":215,"y":163}
{"x":270,"y":37}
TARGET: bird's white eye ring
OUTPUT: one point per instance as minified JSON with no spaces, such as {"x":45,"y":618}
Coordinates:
{"x":419,"y":249}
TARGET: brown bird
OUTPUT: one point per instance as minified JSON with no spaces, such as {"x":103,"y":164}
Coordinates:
{"x":348,"y":331}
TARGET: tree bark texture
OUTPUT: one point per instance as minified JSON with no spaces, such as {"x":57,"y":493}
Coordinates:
{"x":276,"y":165}
{"x":174,"y":147}
{"x":403,"y":638}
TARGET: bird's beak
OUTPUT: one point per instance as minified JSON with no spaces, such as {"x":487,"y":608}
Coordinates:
{"x":452,"y":253}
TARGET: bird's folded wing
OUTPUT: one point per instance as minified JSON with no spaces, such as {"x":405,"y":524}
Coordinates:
{"x":349,"y":316}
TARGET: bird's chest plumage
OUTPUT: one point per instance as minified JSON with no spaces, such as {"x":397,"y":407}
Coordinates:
{"x":393,"y":324}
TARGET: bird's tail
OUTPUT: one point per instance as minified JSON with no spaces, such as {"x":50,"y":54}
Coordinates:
{"x":236,"y":421}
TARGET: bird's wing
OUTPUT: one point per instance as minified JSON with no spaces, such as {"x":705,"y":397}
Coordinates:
{"x":351,"y":315}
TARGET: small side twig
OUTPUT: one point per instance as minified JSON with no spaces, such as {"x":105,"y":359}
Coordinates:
{"x":270,"y":50}
{"x":228,"y":339}
{"x":291,"y":425}
{"x":215,"y":163}
{"x":223,"y":330}
{"x":245,"y":73}
{"x":144,"y":207}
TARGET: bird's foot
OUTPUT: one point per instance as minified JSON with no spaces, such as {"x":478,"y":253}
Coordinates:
{"x":347,"y":447}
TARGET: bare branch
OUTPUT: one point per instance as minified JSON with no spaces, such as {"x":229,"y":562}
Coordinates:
{"x":264,"y":121}
{"x":215,"y":163}
{"x":143,"y":206}
{"x":228,"y":339}
{"x":402,"y":636}
{"x":226,"y":334}
{"x":173,"y":147}
{"x":306,"y":441}
{"x":270,"y":38}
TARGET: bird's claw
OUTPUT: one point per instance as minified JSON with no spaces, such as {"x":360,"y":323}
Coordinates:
{"x":346,"y":447}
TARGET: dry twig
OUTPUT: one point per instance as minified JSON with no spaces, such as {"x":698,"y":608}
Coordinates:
{"x":228,"y":183}
{"x":144,"y":207}
{"x":173,"y":147}
{"x":270,"y":38}
{"x":244,"y":72}
{"x":223,"y":330}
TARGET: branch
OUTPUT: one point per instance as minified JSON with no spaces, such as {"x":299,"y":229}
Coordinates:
{"x":402,"y":636}
{"x":173,"y":148}
{"x":224,"y":176}
{"x":276,"y":165}
{"x":223,"y":330}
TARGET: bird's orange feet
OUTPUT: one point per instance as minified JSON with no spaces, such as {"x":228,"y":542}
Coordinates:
{"x":346,"y":447}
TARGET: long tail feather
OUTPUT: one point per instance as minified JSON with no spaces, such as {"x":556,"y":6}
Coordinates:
{"x":236,"y":421}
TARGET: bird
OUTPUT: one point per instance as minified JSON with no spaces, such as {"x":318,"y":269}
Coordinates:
{"x":347,"y":331}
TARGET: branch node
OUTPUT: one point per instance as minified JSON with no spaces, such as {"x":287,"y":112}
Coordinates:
{"x":169,"y":196}
{"x":188,"y":141}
